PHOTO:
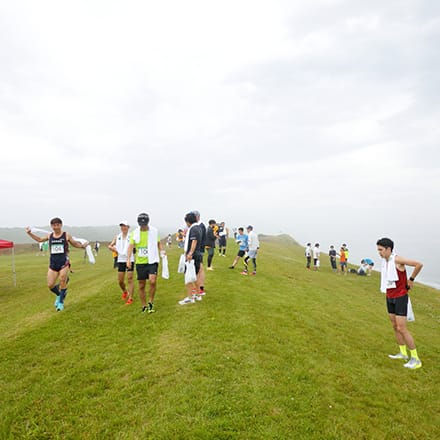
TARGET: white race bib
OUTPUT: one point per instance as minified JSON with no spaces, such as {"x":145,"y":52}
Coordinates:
{"x":142,"y":252}
{"x":57,"y":249}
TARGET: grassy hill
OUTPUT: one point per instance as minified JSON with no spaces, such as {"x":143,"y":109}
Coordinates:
{"x":284,"y":355}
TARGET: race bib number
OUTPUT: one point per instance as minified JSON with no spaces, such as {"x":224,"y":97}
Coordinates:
{"x":57,"y":249}
{"x":142,"y":252}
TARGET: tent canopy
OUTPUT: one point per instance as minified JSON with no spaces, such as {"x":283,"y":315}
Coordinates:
{"x":4,"y":244}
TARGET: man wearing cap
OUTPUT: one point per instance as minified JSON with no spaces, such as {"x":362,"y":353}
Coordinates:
{"x":254,"y":245}
{"x":120,"y":245}
{"x":146,"y":240}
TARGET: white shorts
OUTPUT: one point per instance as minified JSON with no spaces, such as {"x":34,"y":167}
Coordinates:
{"x":253,"y":253}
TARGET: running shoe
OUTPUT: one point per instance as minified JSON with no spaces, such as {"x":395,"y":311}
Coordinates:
{"x":210,"y":268}
{"x":197,"y":297}
{"x":413,"y":364}
{"x":57,"y":301}
{"x":187,"y":300}
{"x":202,"y":293}
{"x":144,"y":309}
{"x":129,"y":301}
{"x":254,"y":273}
{"x":244,"y":273}
{"x":398,"y":356}
{"x":151,"y":308}
{"x":60,"y":307}
{"x":231,"y":267}
{"x":124,"y":295}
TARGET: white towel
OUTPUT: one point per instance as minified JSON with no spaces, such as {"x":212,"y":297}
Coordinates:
{"x":121,"y":246}
{"x":388,"y":274}
{"x":153,"y":250}
{"x":36,"y":231}
{"x":185,"y":248}
{"x":89,"y":252}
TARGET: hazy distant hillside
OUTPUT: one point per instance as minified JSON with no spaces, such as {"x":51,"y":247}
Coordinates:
{"x":92,"y":233}
{"x":100,"y":233}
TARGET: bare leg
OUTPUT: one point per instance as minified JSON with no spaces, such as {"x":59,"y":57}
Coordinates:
{"x":121,"y":280}
{"x":142,"y":294}
{"x":130,"y":285}
{"x":153,"y":283}
{"x":401,"y":332}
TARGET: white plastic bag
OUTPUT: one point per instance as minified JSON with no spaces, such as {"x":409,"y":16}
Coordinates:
{"x":165,"y":270}
{"x":181,"y":266}
{"x":190,"y":274}
{"x":410,"y":312}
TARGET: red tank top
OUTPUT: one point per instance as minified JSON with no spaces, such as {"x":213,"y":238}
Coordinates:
{"x":400,"y":289}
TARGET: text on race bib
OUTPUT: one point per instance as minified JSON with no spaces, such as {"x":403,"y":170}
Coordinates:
{"x":142,"y":252}
{"x":57,"y":249}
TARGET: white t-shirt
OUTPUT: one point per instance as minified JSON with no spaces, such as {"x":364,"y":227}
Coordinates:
{"x":316,"y":252}
{"x":253,"y":242}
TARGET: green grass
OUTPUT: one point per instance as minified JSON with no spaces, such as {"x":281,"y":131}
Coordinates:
{"x":287,"y":354}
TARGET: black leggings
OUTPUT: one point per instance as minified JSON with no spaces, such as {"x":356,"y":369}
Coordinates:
{"x":254,"y":262}
{"x":211,"y":251}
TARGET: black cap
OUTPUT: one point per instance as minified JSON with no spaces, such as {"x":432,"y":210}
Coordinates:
{"x":143,"y":219}
{"x":56,"y":220}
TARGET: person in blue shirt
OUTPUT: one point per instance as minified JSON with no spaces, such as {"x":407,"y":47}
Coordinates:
{"x":366,"y":266}
{"x":242,"y":240}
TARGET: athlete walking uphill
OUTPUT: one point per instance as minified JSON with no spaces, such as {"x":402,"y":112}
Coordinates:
{"x":395,"y":284}
{"x":119,"y":245}
{"x":59,"y":263}
{"x":146,"y":240}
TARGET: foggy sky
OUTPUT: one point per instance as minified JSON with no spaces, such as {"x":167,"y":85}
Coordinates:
{"x":320,"y":118}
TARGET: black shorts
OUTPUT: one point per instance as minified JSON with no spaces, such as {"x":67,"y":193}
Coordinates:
{"x":145,"y":270}
{"x":198,"y":260}
{"x":58,"y":264}
{"x":122,"y":267}
{"x":398,"y":306}
{"x":241,"y":253}
{"x":222,"y":241}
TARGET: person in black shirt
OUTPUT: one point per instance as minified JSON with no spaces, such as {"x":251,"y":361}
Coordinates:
{"x":332,"y":254}
{"x":201,"y":251}
{"x":192,"y":243}
{"x":211,"y":237}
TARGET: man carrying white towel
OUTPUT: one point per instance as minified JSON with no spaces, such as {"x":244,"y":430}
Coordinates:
{"x":395,"y":284}
{"x":146,"y":240}
{"x":120,"y":244}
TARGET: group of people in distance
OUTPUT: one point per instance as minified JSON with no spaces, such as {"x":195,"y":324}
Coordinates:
{"x":315,"y":253}
{"x":142,"y":250}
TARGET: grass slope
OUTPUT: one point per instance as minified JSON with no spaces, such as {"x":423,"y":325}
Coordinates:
{"x":286,"y":354}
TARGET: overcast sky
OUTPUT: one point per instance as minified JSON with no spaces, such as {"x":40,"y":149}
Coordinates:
{"x":317,"y":118}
